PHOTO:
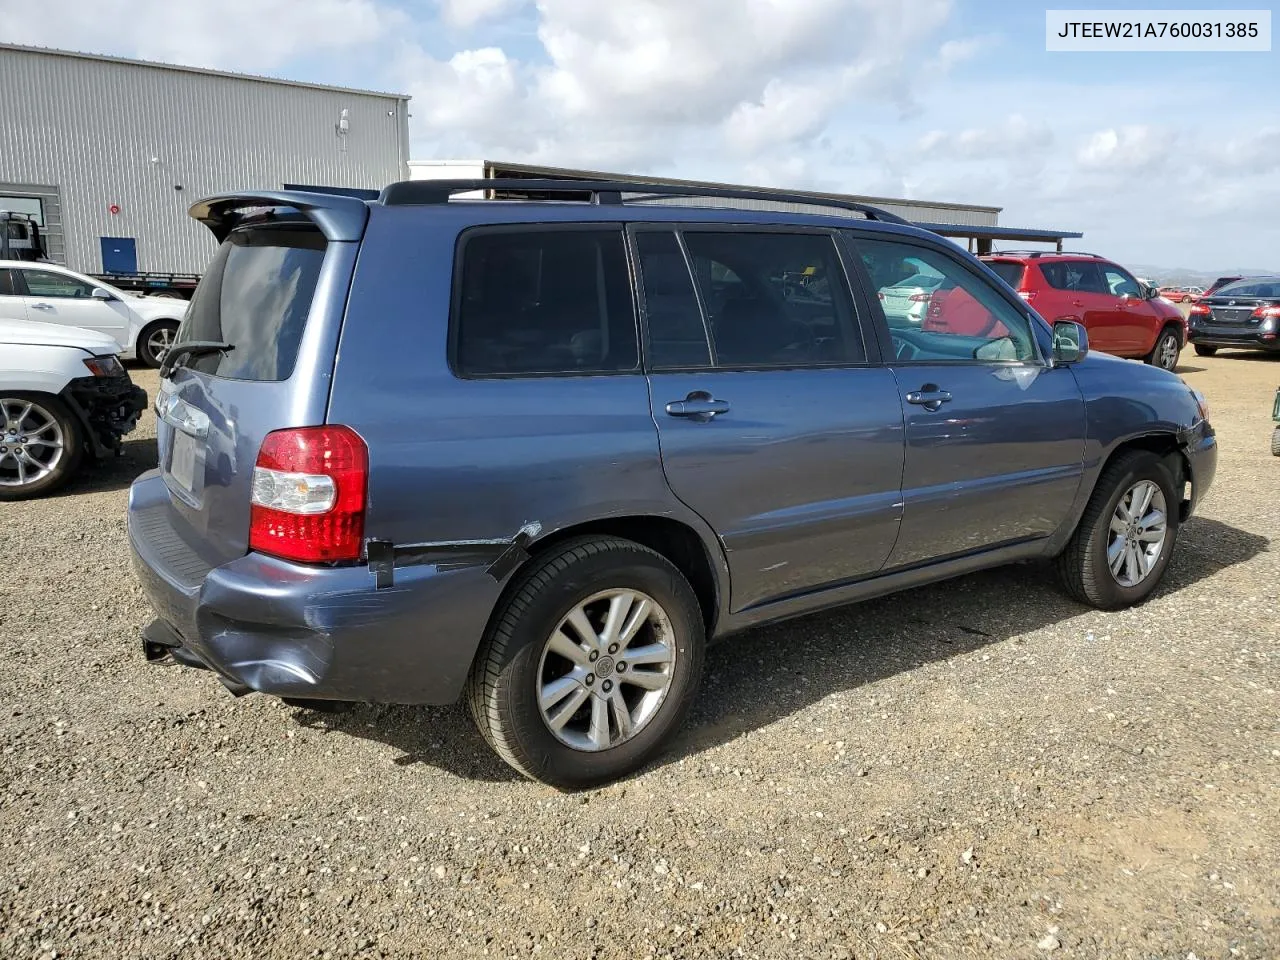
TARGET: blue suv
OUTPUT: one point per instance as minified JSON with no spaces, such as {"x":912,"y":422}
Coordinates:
{"x":536,"y":450}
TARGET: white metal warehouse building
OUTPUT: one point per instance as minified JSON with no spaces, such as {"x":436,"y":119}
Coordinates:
{"x":108,"y":153}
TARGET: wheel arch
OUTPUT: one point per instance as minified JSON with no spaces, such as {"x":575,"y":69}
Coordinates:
{"x":1166,"y":445}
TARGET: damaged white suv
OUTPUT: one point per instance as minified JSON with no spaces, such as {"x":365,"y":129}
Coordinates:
{"x":64,"y":396}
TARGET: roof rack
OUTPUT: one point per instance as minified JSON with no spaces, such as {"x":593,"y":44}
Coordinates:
{"x":412,"y":192}
{"x":1033,"y":254}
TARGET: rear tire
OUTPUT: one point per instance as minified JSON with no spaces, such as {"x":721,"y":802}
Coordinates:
{"x":1165,"y":353}
{"x":1204,"y":351}
{"x":522,"y":678}
{"x":47,"y":419}
{"x":155,"y":340}
{"x":1085,"y":567}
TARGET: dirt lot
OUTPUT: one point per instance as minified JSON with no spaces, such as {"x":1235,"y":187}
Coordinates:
{"x":981,"y":768}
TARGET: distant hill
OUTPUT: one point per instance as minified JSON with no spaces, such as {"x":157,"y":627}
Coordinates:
{"x":1185,"y":276}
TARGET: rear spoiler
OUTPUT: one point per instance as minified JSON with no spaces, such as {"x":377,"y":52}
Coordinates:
{"x":340,"y":218}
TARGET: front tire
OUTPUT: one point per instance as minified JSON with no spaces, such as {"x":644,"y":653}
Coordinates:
{"x":1165,"y":353}
{"x":155,"y":340}
{"x":41,"y":444}
{"x":1205,"y":351}
{"x":592,"y":664}
{"x":1123,"y":543}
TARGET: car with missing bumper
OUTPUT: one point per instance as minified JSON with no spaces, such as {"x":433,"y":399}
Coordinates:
{"x":536,"y":453}
{"x":64,"y":397}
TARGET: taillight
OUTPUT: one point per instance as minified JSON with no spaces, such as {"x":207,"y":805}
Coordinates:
{"x":920,"y":297}
{"x":1200,"y":310}
{"x":1263,"y":312}
{"x":309,"y":490}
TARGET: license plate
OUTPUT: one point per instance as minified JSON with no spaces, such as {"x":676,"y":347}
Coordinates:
{"x":182,"y":463}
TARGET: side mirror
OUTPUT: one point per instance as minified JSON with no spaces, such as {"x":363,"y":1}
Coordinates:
{"x":98,"y":293}
{"x":1070,"y":342}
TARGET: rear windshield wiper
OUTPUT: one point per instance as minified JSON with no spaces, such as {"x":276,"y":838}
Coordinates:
{"x":190,"y":350}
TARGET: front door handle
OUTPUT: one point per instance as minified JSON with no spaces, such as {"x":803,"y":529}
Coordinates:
{"x":699,"y":406}
{"x":929,"y":397}
{"x":42,"y":306}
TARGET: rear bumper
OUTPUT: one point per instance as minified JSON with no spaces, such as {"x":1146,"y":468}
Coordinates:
{"x":1247,"y":338}
{"x":308,"y":632}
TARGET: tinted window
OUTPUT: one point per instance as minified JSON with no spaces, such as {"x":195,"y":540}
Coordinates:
{"x":677,"y":335}
{"x":1121,"y":283}
{"x":774,"y":299}
{"x":45,"y":283}
{"x":545,"y":301}
{"x":6,"y":284}
{"x":1008,"y":271}
{"x":256,"y":295}
{"x":1262,"y":289}
{"x":1074,"y":275}
{"x":963,"y":318}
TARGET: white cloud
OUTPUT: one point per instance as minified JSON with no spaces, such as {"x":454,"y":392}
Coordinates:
{"x":1137,"y":147}
{"x":468,"y":13}
{"x":248,"y":35}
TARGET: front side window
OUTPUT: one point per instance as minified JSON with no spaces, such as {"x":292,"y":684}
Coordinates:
{"x":964,"y":317}
{"x":45,"y":283}
{"x":544,"y":301}
{"x":774,"y":299}
{"x":1121,"y":283}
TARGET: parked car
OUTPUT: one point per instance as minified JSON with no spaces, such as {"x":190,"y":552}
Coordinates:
{"x":1121,"y":316}
{"x":440,"y":454}
{"x":64,"y":396}
{"x":1243,"y":314}
{"x":141,"y":327}
{"x":1181,"y":294}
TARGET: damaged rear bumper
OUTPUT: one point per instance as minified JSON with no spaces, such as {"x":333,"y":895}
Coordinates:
{"x":307,"y":632}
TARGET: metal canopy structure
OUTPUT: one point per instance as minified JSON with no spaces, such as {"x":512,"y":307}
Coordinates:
{"x":980,"y":238}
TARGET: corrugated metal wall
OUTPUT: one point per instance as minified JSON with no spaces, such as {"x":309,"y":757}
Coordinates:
{"x":105,"y":132}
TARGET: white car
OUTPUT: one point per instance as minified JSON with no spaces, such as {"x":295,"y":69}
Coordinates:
{"x":63,"y":396}
{"x":142,"y":327}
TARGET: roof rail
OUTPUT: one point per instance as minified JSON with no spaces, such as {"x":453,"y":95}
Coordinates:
{"x":1033,"y":254}
{"x":410,"y":192}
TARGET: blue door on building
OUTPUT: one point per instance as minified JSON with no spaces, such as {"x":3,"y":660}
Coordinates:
{"x":119,"y":255}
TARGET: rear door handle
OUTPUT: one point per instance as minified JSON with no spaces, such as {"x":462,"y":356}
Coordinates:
{"x":697,"y":406}
{"x":929,"y":397}
{"x":42,"y":306}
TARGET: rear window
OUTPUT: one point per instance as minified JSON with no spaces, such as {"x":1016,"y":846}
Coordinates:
{"x":256,"y":295}
{"x":1261,"y":289}
{"x":1008,"y":270}
{"x":537,"y":300}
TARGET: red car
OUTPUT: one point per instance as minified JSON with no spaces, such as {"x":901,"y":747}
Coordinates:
{"x":1123,"y":317}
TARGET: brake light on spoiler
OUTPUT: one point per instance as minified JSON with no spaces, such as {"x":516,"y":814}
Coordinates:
{"x":310,"y":487}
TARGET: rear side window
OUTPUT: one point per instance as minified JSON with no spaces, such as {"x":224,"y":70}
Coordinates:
{"x":1074,"y":275}
{"x":1008,"y":271}
{"x":774,"y":299}
{"x":544,"y":301}
{"x":256,"y":296}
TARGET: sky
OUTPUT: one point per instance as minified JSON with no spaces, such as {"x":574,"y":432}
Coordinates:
{"x":1170,"y":159}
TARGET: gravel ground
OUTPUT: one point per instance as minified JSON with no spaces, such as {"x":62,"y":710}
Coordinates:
{"x":981,"y":768}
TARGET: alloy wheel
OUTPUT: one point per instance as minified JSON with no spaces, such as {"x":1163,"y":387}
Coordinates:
{"x":606,"y":670}
{"x":31,"y":442}
{"x":1139,"y":526}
